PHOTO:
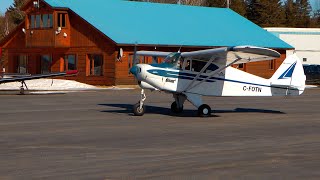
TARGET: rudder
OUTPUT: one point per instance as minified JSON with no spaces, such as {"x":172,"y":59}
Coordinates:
{"x":289,"y":79}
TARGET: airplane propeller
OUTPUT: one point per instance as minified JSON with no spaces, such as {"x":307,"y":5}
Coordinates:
{"x":135,"y":61}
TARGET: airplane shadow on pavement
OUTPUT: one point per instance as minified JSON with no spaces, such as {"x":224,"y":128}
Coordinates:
{"x":127,"y":109}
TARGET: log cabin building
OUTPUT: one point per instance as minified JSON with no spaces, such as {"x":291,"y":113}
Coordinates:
{"x":88,"y":36}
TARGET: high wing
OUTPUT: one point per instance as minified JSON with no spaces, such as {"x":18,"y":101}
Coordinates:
{"x":153,"y":53}
{"x":227,"y":56}
{"x":37,"y":76}
{"x":245,"y":54}
{"x":224,"y":54}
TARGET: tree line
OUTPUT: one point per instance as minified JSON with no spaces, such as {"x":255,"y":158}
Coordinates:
{"x":265,"y":13}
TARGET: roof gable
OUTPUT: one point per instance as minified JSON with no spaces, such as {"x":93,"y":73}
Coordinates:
{"x":127,"y":22}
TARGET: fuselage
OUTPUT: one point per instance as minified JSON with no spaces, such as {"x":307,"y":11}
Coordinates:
{"x":224,"y":83}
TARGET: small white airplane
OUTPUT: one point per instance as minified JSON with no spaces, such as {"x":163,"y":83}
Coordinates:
{"x":191,"y":75}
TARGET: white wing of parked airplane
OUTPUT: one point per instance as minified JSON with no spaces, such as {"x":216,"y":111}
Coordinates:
{"x":244,"y":54}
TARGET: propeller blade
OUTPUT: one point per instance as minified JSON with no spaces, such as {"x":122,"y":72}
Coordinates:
{"x":135,"y":60}
{"x":135,"y":57}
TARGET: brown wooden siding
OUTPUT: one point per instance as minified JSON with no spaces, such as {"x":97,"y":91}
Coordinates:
{"x":83,"y":39}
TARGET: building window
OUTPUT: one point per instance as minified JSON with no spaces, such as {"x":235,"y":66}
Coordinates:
{"x":61,"y":20}
{"x":38,"y":21}
{"x":47,"y":21}
{"x":70,"y":62}
{"x":32,"y":22}
{"x":304,"y":59}
{"x":41,"y":21}
{"x":22,"y":62}
{"x":95,"y":64}
{"x":241,"y":66}
{"x":45,"y":64}
{"x":272,"y":64}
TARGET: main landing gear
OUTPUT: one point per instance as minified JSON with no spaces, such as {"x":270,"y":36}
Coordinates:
{"x":177,"y":106}
{"x":22,"y":87}
{"x":139,"y":109}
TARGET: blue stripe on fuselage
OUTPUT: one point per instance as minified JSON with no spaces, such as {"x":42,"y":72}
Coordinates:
{"x":177,"y":74}
{"x":189,"y":76}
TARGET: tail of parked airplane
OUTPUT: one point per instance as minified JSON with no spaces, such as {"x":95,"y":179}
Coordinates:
{"x":289,"y":79}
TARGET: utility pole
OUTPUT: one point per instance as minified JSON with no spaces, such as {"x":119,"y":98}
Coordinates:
{"x":228,"y":3}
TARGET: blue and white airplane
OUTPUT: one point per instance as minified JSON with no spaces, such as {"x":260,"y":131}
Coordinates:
{"x":191,"y":75}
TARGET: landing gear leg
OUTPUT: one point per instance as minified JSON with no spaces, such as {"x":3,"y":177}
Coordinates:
{"x":22,"y":87}
{"x":139,"y":108}
{"x":177,"y":105}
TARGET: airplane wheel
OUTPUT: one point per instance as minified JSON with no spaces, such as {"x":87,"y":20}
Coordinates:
{"x":175,"y":109}
{"x":137,"y":111}
{"x":22,"y":91}
{"x":204,"y":110}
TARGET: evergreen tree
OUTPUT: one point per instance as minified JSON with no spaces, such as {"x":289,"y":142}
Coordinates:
{"x":253,"y":13}
{"x":265,"y":13}
{"x":239,"y":6}
{"x":290,"y":13}
{"x":316,"y":18}
{"x":15,"y":14}
{"x":216,"y":3}
{"x":304,"y":11}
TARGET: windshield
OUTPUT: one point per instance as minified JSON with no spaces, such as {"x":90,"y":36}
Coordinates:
{"x":172,"y":58}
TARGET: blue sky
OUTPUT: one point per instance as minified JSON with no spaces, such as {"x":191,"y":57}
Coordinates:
{"x":4,"y":4}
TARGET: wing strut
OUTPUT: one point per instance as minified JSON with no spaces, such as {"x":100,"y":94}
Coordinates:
{"x":214,"y":73}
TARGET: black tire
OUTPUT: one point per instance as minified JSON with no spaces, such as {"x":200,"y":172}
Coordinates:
{"x":204,"y":110}
{"x":175,"y":109}
{"x":22,"y":91}
{"x":137,"y":111}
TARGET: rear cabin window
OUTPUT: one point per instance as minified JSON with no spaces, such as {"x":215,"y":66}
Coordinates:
{"x":197,"y":65}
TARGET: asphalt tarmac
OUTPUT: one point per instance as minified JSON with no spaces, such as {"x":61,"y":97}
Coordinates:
{"x":93,"y":135}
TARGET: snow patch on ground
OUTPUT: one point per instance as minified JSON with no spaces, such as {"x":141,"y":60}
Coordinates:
{"x":311,"y":86}
{"x":53,"y":85}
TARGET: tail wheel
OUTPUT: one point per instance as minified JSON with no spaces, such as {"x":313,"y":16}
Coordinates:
{"x":175,"y":108}
{"x":204,"y":110}
{"x":137,"y":111}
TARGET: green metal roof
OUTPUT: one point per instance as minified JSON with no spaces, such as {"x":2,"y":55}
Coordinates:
{"x":128,"y":22}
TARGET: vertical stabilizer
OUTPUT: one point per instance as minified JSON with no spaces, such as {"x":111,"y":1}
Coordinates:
{"x":289,"y":79}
